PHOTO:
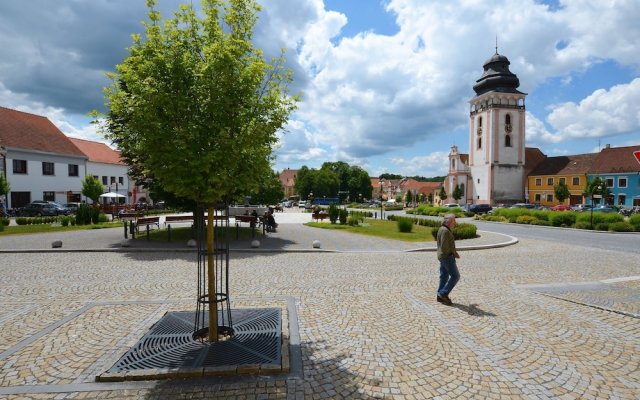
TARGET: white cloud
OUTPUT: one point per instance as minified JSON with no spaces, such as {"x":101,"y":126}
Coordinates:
{"x":433,"y":164}
{"x":603,"y":113}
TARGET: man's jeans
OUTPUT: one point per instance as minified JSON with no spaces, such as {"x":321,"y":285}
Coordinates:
{"x":449,"y":275}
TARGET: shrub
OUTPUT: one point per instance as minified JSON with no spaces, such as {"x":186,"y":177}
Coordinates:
{"x":623,"y":226}
{"x":582,"y":225}
{"x":494,"y":218}
{"x":83,"y":215}
{"x":465,"y":231}
{"x":562,"y":218}
{"x":102,"y":217}
{"x":36,"y":220}
{"x":405,"y":225}
{"x":353,"y":220}
{"x":600,"y":218}
{"x":65,"y":221}
{"x":541,"y":222}
{"x":635,"y":221}
{"x":22,"y":221}
{"x":342,"y":215}
{"x":333,"y":213}
{"x":602,"y":226}
{"x":5,"y":221}
{"x":525,"y":219}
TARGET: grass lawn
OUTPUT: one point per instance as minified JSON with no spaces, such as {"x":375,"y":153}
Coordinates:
{"x":381,"y":228}
{"x":45,"y":228}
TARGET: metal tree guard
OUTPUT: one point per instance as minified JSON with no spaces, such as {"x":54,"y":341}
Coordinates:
{"x":213,"y":313}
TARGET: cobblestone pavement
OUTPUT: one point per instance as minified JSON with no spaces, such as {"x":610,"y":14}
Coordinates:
{"x":531,"y":320}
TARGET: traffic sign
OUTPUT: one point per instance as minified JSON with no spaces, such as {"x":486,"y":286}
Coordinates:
{"x":637,"y":155}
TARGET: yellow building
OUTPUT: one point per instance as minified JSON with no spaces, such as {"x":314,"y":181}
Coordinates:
{"x":570,"y":170}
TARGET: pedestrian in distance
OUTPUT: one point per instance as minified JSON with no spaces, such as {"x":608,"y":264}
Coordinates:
{"x":447,"y":254}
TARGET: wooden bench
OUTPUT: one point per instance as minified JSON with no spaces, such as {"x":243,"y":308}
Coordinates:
{"x":146,"y":221}
{"x":319,"y":216}
{"x":177,"y":218}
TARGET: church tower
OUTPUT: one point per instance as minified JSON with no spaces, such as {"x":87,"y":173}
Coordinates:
{"x":497,"y":135}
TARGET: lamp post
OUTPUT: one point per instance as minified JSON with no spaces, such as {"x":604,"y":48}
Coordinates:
{"x":3,"y":165}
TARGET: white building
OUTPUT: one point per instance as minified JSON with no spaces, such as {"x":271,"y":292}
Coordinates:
{"x":105,"y":164}
{"x":41,"y":162}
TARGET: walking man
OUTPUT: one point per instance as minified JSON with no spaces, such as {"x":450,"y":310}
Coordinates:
{"x":447,"y":255}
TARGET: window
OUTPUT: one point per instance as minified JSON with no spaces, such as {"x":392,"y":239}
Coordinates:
{"x":576,"y":181}
{"x":609,"y":182}
{"x":507,"y":119}
{"x":121,"y":180}
{"x":622,"y":182}
{"x":48,"y":168}
{"x":479,"y":125}
{"x":113,"y":180}
{"x":104,"y":180}
{"x":537,"y":198}
{"x":19,"y":167}
{"x":49,"y":196}
{"x":550,"y":181}
{"x":538,"y":181}
{"x":73,"y":169}
{"x":549,"y":198}
{"x":622,"y":199}
{"x":507,"y":141}
{"x":478,"y":180}
{"x":479,"y":143}
{"x":562,"y":180}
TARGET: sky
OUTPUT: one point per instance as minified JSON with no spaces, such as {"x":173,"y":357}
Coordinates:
{"x":385,"y":84}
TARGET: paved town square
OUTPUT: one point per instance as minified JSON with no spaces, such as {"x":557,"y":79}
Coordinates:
{"x":535,"y":319}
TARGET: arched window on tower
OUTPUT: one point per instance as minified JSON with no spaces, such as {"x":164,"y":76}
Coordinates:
{"x":479,"y":125}
{"x":453,"y":164}
{"x":479,"y":143}
{"x":507,"y":119}
{"x":507,"y":140}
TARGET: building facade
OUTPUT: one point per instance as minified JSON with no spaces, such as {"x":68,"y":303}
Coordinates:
{"x":41,"y":162}
{"x":620,"y":170}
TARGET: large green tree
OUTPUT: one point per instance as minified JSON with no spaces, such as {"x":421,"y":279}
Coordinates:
{"x":269,"y":190}
{"x":194,"y":106}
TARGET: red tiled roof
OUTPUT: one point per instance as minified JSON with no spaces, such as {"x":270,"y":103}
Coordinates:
{"x":565,"y":165}
{"x":615,"y":160}
{"x":532,"y":157}
{"x":98,"y":152}
{"x":26,"y":131}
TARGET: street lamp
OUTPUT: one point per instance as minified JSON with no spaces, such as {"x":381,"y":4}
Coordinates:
{"x":381,"y":203}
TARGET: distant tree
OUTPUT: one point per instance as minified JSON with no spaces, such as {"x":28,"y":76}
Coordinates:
{"x":92,"y":188}
{"x":388,"y":176}
{"x":5,"y":187}
{"x":457,"y":193}
{"x":359,"y":183}
{"x":269,"y":191}
{"x":442,"y":194}
{"x":430,"y":198}
{"x":597,"y":186}
{"x":561,"y":191}
{"x":408,"y":197}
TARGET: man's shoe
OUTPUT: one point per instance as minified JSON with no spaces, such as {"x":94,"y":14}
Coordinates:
{"x":444,"y":299}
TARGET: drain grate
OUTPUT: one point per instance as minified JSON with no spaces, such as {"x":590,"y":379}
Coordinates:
{"x":257,"y":340}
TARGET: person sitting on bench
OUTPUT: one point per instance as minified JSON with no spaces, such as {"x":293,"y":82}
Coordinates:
{"x":271,"y":222}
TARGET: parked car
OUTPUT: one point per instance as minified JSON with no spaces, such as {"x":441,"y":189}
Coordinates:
{"x":302,"y":204}
{"x":524,"y":205}
{"x":73,"y":207}
{"x":561,"y":207}
{"x":452,"y":205}
{"x":582,"y":207}
{"x":39,"y":210}
{"x":480,"y":208}
{"x":605,"y":209}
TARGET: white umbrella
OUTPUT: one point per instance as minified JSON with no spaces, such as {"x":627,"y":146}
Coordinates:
{"x":111,"y":195}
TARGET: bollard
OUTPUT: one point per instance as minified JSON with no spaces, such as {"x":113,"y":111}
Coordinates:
{"x":126,"y":236}
{"x":132,"y":230}
{"x":148,"y":238}
{"x":169,"y":232}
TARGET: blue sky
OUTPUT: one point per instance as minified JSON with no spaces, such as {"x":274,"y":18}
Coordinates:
{"x":385,"y":84}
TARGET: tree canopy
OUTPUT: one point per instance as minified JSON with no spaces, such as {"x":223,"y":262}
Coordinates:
{"x":92,"y":188}
{"x":332,"y":178}
{"x":194,"y":106}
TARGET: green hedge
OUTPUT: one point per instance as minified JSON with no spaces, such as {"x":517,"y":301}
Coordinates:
{"x":635,"y":221}
{"x":621,"y":227}
{"x":460,"y":232}
{"x":439,"y":211}
{"x":562,"y":218}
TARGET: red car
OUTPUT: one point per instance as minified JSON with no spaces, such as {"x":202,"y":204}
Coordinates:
{"x":561,"y":207}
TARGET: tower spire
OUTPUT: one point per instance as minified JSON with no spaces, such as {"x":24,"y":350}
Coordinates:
{"x":496,"y":44}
